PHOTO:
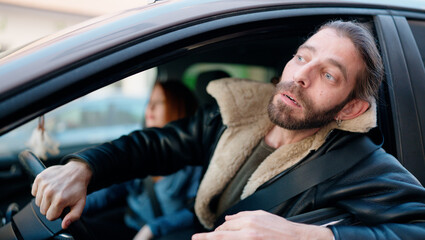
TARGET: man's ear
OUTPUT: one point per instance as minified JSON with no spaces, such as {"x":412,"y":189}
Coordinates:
{"x":353,"y":109}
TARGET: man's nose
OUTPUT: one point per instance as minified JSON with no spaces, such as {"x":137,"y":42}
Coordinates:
{"x":303,"y":75}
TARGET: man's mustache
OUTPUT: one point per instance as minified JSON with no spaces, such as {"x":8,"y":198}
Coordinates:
{"x":292,"y":88}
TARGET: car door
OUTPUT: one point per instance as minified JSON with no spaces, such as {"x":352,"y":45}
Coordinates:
{"x":405,"y":78}
{"x":116,"y":47}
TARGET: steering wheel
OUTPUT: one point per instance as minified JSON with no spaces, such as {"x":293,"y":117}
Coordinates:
{"x":34,"y":224}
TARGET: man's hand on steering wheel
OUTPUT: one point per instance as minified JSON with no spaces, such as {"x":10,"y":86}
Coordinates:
{"x":63,"y":186}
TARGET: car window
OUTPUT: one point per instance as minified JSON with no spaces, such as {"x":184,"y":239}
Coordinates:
{"x":100,"y":116}
{"x":418,"y":30}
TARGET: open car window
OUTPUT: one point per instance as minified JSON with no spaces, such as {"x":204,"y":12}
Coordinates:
{"x":113,"y":111}
{"x":254,"y":51}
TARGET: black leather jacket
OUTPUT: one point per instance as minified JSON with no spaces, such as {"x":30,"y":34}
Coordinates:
{"x":155,"y":151}
{"x":378,"y":191}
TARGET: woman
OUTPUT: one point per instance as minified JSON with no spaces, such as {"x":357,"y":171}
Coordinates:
{"x":158,"y":208}
{"x":169,"y":101}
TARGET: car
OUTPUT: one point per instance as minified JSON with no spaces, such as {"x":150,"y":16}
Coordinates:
{"x":187,"y":40}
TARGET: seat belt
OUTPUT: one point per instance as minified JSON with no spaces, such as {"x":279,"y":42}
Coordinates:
{"x":148,"y":184}
{"x":304,"y":177}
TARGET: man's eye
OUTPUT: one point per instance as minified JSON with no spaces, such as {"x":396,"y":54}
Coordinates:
{"x":329,"y":77}
{"x":299,"y":58}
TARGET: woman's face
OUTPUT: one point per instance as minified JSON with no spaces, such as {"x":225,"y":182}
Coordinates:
{"x":155,"y":115}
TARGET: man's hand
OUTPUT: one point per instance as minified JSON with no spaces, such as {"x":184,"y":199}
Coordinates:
{"x":263,"y":225}
{"x":144,"y":234}
{"x":63,"y":186}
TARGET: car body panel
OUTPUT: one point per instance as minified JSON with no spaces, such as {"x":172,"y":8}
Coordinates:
{"x":402,"y":97}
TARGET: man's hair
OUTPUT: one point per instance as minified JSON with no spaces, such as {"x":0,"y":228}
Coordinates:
{"x":369,"y":80}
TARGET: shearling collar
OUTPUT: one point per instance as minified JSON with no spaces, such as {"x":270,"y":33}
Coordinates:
{"x":243,"y":106}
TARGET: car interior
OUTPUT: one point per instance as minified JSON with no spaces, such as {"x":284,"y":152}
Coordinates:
{"x":256,"y":51}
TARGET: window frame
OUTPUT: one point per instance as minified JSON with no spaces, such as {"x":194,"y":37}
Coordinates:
{"x":400,"y":56}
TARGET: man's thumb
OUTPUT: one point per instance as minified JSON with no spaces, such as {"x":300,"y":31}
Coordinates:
{"x":73,"y":215}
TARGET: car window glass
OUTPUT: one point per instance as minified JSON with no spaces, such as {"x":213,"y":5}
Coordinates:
{"x":418,"y":30}
{"x":100,"y":116}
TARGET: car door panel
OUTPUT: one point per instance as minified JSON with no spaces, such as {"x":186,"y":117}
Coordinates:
{"x":406,"y":120}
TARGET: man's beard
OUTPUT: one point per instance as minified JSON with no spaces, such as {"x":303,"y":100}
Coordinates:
{"x":281,"y":114}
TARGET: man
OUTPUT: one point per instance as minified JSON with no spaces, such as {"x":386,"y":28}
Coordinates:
{"x":324,"y":100}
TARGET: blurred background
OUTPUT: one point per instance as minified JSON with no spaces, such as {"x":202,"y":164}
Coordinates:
{"x":22,"y":21}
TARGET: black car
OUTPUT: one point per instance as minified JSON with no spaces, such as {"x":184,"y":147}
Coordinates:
{"x":195,"y":42}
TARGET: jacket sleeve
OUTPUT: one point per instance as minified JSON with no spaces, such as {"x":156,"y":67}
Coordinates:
{"x":99,"y":200}
{"x":384,"y":197}
{"x":382,"y":231}
{"x":153,"y":151}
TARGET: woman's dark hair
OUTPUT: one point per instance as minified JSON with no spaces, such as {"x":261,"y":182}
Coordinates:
{"x":179,"y":100}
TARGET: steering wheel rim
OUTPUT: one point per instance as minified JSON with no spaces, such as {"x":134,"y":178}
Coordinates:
{"x":33,"y":165}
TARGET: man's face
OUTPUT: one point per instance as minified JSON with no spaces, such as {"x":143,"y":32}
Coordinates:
{"x":316,"y":83}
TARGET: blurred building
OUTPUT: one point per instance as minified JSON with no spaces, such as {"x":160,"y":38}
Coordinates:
{"x":22,"y":21}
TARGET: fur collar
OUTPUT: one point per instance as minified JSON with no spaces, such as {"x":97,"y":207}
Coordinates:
{"x":243,"y":106}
